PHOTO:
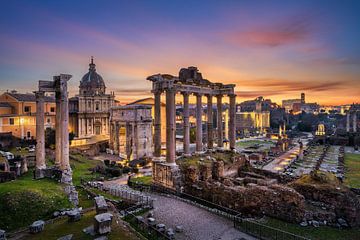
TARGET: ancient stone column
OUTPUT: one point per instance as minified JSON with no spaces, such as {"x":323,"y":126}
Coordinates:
{"x":219,"y":121}
{"x":58,"y":131}
{"x":186,"y":124}
{"x":232,"y":121}
{"x":170,"y":126}
{"x":116,"y":138}
{"x":347,"y":122}
{"x":40,"y":135}
{"x":199,"y":145}
{"x":64,"y":122}
{"x":354,"y":122}
{"x":210,"y":122}
{"x":111,"y":139}
{"x":157,"y":124}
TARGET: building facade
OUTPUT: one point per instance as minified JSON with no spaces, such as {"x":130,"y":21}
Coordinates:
{"x":18,"y":114}
{"x":90,"y":109}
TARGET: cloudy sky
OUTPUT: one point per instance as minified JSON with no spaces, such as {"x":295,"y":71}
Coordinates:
{"x":276,"y":49}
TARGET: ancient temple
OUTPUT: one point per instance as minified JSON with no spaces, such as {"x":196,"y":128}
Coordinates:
{"x":189,"y":81}
{"x":90,"y":109}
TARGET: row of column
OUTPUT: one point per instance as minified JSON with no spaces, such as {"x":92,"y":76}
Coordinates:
{"x":171,"y":124}
{"x":84,"y":124}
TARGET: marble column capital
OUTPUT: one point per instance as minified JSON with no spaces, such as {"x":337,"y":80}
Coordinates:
{"x":39,"y":95}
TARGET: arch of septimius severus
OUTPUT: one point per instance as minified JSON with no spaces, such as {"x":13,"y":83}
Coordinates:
{"x":59,"y":86}
{"x":188,"y":82}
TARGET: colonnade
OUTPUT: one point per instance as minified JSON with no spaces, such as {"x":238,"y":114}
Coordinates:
{"x":171,"y":124}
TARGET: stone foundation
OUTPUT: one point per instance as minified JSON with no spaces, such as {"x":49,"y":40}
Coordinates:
{"x":166,"y":175}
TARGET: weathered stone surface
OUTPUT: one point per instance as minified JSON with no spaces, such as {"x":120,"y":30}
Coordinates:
{"x":89,"y":230}
{"x":74,"y":215}
{"x":101,"y":205}
{"x":37,"y":226}
{"x":102,"y":238}
{"x":340,"y":202}
{"x":2,"y":235}
{"x":274,"y":200}
{"x":102,"y":223}
{"x":218,"y":170}
{"x":179,"y":228}
{"x":67,"y":237}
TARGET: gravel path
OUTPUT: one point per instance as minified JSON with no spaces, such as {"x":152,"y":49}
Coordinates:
{"x":198,"y":224}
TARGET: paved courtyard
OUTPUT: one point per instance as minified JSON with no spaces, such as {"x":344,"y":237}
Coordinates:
{"x":198,"y":224}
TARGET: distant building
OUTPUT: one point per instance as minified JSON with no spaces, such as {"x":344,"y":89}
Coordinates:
{"x":251,"y":122}
{"x":253,"y":116}
{"x":151,"y":102}
{"x":18,"y":114}
{"x":288,"y":104}
{"x":300,"y":105}
{"x":252,"y":105}
{"x":90,"y":109}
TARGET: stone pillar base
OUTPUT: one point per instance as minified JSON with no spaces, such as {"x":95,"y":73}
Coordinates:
{"x":198,"y":153}
{"x":66,"y":176}
{"x":166,"y":175}
{"x":39,"y":173}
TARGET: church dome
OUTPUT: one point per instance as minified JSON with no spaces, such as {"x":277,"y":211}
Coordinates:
{"x":92,"y":83}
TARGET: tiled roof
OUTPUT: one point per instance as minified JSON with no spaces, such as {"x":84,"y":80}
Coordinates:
{"x":29,"y":97}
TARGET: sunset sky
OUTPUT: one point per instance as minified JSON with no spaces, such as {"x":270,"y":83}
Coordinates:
{"x":276,"y":49}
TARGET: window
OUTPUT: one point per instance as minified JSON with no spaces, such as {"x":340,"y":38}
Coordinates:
{"x":48,"y":120}
{"x":27,"y":109}
{"x":97,"y":106}
{"x":11,"y":121}
{"x":52,"y":109}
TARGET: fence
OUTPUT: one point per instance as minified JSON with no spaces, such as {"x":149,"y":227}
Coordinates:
{"x":252,"y":228}
{"x":122,"y":191}
{"x":264,"y":232}
{"x":147,"y":230}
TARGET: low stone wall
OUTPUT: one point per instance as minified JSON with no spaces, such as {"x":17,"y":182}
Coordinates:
{"x":166,"y":175}
{"x":338,"y":202}
{"x":252,"y":199}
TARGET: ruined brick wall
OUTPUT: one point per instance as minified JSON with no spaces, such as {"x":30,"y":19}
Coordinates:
{"x":274,"y":200}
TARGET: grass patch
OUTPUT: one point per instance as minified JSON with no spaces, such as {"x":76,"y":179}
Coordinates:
{"x":320,"y":233}
{"x":81,"y":167}
{"x":352,"y":166}
{"x":62,"y":227}
{"x":146,"y":180}
{"x":25,"y":200}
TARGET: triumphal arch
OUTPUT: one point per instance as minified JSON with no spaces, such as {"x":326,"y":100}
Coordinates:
{"x":59,"y":87}
{"x":189,"y":82}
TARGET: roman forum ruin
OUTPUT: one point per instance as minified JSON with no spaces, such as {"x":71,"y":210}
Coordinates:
{"x":131,"y":131}
{"x":188,"y":82}
{"x":59,"y":86}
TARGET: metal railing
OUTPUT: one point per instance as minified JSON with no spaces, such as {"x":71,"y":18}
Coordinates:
{"x":264,"y":232}
{"x":255,"y":229}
